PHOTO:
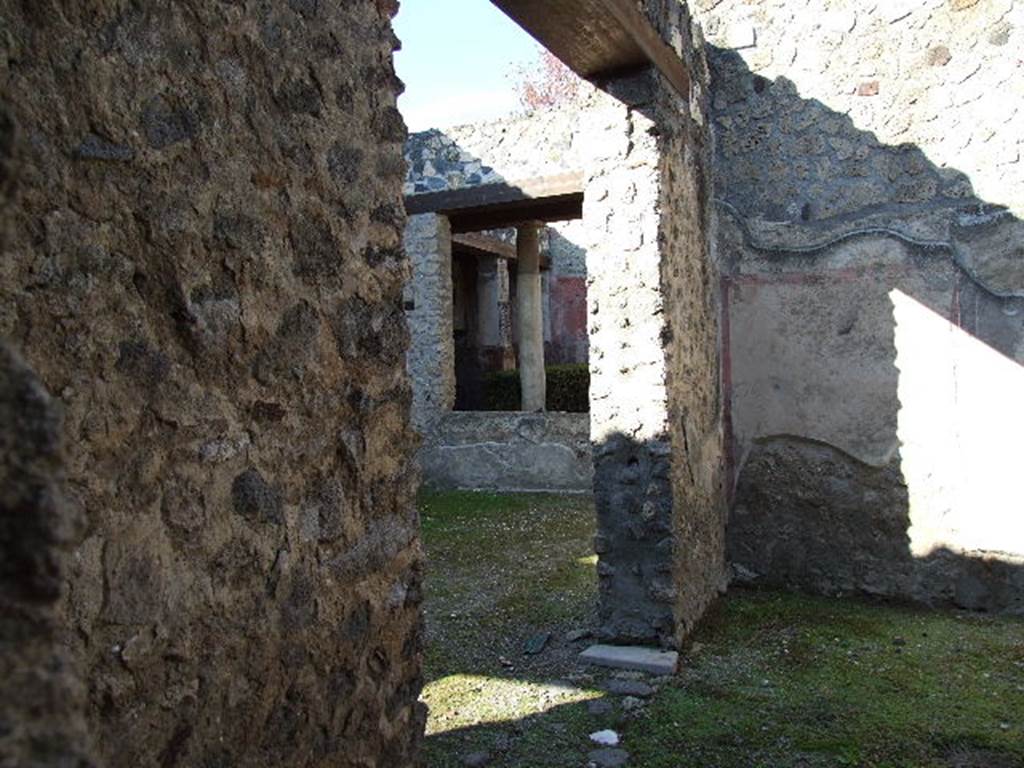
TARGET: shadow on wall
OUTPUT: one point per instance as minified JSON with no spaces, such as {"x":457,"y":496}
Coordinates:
{"x":636,"y":541}
{"x":874,"y":342}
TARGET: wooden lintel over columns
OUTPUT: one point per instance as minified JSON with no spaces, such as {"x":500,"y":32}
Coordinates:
{"x":598,"y":39}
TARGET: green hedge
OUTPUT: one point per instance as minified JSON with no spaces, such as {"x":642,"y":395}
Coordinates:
{"x":568,"y":389}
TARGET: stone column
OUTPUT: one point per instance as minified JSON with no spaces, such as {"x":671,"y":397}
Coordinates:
{"x":492,"y":314}
{"x":530,"y":317}
{"x":488,"y":312}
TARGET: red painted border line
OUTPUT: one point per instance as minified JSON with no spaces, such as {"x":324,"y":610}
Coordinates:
{"x":726,"y":379}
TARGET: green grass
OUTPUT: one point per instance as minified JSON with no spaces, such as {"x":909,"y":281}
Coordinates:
{"x":789,"y":680}
{"x":508,"y":561}
{"x":500,"y":569}
{"x":770,"y":679}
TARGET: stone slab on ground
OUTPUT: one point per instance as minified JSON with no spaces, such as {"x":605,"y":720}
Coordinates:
{"x":651,"y":660}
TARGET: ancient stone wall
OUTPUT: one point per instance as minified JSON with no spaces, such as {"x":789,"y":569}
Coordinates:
{"x":42,"y":696}
{"x":633,"y":452}
{"x":542,"y":143}
{"x":690,"y":279}
{"x":203,"y":263}
{"x":480,"y":450}
{"x":870,"y":187}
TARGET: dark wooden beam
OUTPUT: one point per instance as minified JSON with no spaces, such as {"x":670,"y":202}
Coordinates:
{"x":493,"y":206}
{"x":551,"y":209}
{"x":658,"y":52}
{"x":598,"y":39}
{"x":504,"y":193}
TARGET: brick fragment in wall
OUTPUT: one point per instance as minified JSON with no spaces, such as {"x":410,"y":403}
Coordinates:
{"x":939,"y":56}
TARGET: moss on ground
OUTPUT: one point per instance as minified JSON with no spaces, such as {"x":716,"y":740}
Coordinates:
{"x":770,"y":679}
{"x":788,"y":680}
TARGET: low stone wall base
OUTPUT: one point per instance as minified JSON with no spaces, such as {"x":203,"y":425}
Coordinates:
{"x":509,"y":451}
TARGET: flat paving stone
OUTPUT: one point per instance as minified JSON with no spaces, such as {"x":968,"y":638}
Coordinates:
{"x":652,"y":660}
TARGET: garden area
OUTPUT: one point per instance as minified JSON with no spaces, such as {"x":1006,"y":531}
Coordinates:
{"x":769,"y":679}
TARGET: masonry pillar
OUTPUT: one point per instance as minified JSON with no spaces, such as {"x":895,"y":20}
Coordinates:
{"x":431,"y":355}
{"x":654,"y":413}
{"x":529,"y":317}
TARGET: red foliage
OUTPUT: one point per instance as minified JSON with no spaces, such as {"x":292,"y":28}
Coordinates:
{"x":548,"y":84}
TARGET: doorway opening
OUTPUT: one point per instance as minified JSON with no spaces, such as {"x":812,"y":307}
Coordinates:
{"x":612,"y":185}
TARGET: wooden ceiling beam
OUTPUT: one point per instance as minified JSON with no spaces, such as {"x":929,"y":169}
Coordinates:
{"x":490,"y":195}
{"x":563,"y":208}
{"x":598,"y":39}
